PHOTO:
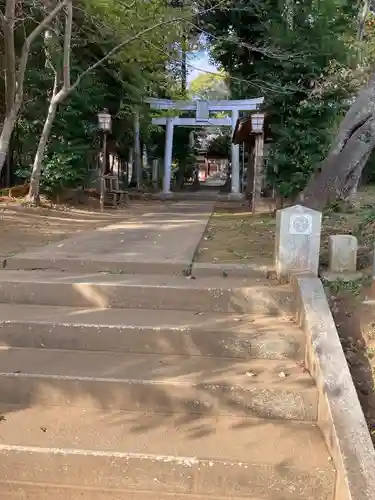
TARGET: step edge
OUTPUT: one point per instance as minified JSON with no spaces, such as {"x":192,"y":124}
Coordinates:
{"x":288,"y":363}
{"x":204,"y":288}
{"x":151,"y":382}
{"x":178,"y":460}
{"x":84,"y":279}
{"x":87,"y":489}
{"x":292,"y":423}
{"x":294,"y":330}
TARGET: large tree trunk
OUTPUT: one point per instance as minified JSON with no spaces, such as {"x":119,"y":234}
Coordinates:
{"x":351,"y":148}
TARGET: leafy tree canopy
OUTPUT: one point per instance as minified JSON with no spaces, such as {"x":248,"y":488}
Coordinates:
{"x":303,"y":58}
{"x":209,"y":86}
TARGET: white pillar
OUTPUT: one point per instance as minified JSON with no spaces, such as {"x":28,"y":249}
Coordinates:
{"x":235,"y":185}
{"x":168,"y":156}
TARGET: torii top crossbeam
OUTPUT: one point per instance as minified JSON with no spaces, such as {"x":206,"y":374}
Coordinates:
{"x":222,"y":105}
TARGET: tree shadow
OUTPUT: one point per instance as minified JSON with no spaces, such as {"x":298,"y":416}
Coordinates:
{"x":181,"y":401}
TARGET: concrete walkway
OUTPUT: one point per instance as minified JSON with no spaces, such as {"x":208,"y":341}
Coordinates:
{"x":163,"y":240}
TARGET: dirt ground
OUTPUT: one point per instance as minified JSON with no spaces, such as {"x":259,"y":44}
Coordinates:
{"x":355,"y":323}
{"x":23,"y":228}
{"x":236,"y":235}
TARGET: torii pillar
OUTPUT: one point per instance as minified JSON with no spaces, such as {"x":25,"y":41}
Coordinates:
{"x":235,"y":157}
{"x":168,"y":156}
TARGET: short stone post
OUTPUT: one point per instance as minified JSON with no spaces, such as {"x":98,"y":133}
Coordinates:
{"x":297,"y":246}
{"x":343,"y":250}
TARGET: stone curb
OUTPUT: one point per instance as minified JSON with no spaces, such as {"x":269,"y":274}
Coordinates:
{"x":197,"y":196}
{"x":340,"y":415}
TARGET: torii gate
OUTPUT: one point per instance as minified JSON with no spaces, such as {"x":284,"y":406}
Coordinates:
{"x":202,"y":119}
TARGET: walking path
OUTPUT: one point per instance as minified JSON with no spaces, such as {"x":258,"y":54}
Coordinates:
{"x":152,"y":386}
{"x":161,"y":240}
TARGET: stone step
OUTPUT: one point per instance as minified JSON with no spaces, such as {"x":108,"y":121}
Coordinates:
{"x":157,"y":383}
{"x":208,"y":456}
{"x":233,"y":269}
{"x":145,"y":292}
{"x":150,"y":331}
{"x":33,"y":492}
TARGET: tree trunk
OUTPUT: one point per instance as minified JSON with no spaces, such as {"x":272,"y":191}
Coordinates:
{"x":184,"y":71}
{"x":7,"y":130}
{"x":348,"y":155}
{"x":57,"y":97}
{"x":132,"y":182}
{"x":350,"y":189}
{"x":137,"y":150}
{"x":9,"y":72}
{"x":362,"y":17}
{"x":341,"y":172}
{"x":250,"y":177}
{"x":180,"y":176}
{"x":34,"y":195}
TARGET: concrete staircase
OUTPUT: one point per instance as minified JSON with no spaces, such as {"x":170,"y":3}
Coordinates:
{"x":155,"y":388}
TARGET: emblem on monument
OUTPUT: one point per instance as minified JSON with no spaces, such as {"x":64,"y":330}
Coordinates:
{"x":300,"y":224}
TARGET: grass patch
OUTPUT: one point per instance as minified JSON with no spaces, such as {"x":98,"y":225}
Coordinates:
{"x":340,"y":286}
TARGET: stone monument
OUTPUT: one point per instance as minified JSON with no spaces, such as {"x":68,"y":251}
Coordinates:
{"x":343,"y":253}
{"x":297,"y":246}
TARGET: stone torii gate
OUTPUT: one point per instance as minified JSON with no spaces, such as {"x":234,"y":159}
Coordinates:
{"x":202,"y":119}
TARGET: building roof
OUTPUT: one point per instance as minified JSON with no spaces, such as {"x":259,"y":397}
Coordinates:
{"x":242,"y":131}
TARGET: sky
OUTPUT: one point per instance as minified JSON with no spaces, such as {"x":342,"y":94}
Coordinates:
{"x":201,"y":61}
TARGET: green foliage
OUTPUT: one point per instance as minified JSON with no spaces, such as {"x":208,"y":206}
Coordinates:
{"x":141,"y":68}
{"x":75,"y":138}
{"x":219,"y":146}
{"x":303,"y":68}
{"x":209,"y":86}
{"x":340,"y":286}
